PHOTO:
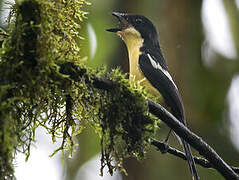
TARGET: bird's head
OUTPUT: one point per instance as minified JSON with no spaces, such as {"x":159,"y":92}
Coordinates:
{"x":136,"y":27}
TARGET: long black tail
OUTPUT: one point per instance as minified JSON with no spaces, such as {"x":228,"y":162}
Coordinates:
{"x":190,"y":160}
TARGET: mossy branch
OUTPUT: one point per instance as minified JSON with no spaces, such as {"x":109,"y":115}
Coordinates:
{"x":41,"y":34}
{"x":195,"y":141}
{"x":38,"y":87}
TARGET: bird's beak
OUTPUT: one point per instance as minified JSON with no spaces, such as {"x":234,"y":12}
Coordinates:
{"x":123,"y":23}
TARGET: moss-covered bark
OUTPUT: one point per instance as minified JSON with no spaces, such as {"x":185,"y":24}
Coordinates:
{"x":44,"y":82}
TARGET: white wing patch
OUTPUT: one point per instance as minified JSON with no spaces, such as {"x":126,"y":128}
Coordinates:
{"x":156,"y":65}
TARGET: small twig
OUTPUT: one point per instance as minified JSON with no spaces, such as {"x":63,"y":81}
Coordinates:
{"x":165,"y":148}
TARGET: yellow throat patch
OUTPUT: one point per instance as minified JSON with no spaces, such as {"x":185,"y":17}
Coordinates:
{"x":134,"y":42}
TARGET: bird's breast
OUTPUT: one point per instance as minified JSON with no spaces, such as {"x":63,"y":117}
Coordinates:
{"x":134,"y":42}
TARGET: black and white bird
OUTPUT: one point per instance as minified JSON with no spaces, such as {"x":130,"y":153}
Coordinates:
{"x":147,"y":65}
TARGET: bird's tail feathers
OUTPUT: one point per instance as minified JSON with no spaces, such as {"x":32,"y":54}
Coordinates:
{"x":190,"y":160}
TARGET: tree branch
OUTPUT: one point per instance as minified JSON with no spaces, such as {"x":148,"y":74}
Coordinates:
{"x":165,"y":148}
{"x":196,"y":142}
{"x":159,"y":111}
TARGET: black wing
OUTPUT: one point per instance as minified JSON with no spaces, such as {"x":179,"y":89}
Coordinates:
{"x":156,"y":54}
{"x":158,"y":77}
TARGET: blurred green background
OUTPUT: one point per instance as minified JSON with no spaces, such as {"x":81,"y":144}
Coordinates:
{"x":200,"y":41}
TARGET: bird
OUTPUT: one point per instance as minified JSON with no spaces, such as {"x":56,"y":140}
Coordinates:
{"x":147,"y":65}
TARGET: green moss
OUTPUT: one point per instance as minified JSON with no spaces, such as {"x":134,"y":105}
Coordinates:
{"x":126,"y":124}
{"x":44,"y":82}
{"x":32,"y":90}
